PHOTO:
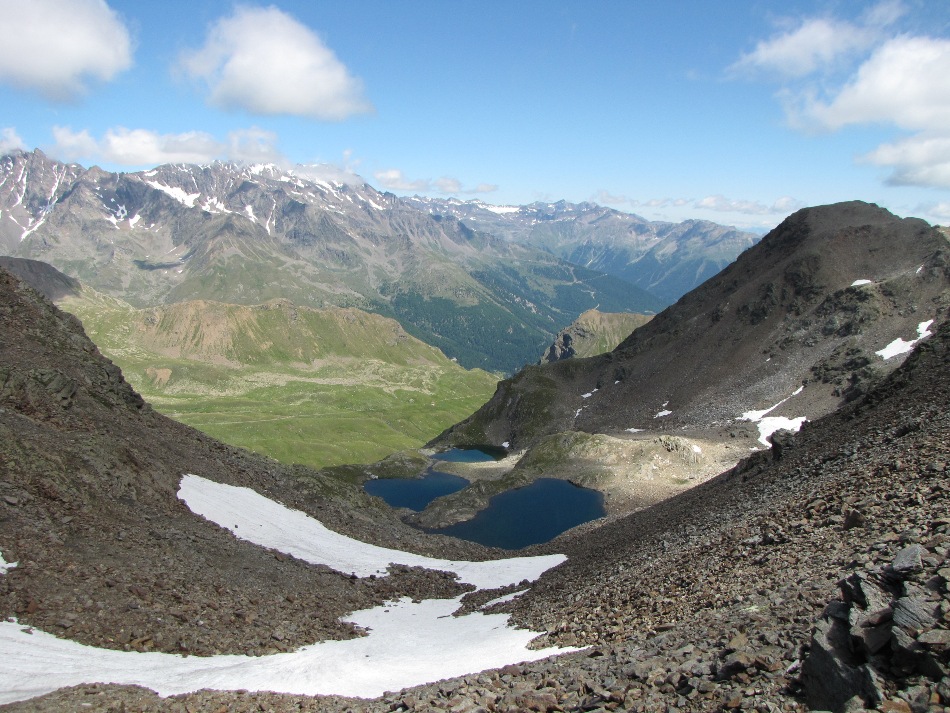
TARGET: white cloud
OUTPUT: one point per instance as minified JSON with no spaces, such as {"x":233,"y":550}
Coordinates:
{"x":56,"y":47}
{"x":393,"y":179}
{"x":264,"y":61}
{"x":10,"y":140}
{"x":816,"y":43}
{"x":940,"y":212}
{"x":142,"y":147}
{"x":904,"y":83}
{"x":892,"y":80}
{"x":720,"y":203}
{"x":921,"y":160}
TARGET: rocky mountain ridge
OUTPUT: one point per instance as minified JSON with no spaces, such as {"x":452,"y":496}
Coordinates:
{"x":666,"y":259}
{"x":593,"y":333}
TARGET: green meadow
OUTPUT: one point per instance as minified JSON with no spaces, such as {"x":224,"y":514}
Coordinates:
{"x":315,"y":387}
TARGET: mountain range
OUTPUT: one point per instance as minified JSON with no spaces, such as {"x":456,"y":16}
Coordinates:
{"x":484,"y":293}
{"x":665,"y":259}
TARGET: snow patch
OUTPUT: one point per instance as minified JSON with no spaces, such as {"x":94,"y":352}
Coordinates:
{"x":408,"y":643}
{"x":255,"y":518}
{"x":501,"y":209}
{"x":6,"y":566}
{"x":769,"y":425}
{"x":899,"y":346}
{"x":662,"y":414}
{"x":634,"y":430}
{"x":858,"y":283}
{"x":187,"y":199}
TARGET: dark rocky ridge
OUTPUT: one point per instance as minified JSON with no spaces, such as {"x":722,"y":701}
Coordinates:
{"x":784,"y":314}
{"x":43,"y":278}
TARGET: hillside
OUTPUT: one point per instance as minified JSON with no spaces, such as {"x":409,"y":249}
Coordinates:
{"x":593,"y":333}
{"x":302,"y":385}
{"x":811,"y":306}
{"x":248,"y":235}
{"x":730,"y":596}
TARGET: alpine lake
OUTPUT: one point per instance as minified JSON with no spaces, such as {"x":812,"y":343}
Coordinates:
{"x":513,"y":519}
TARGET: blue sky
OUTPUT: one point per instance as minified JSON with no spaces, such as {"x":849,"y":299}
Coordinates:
{"x":738,"y":112}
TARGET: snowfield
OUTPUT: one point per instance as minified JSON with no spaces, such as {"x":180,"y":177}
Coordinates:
{"x":407,"y":644}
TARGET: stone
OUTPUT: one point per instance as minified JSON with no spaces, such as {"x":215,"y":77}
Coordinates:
{"x":913,"y":612}
{"x":935,"y":638}
{"x":908,"y":560}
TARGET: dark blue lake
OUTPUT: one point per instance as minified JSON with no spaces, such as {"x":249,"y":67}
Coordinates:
{"x":469,"y":455}
{"x":414,"y":493}
{"x":530,"y":515}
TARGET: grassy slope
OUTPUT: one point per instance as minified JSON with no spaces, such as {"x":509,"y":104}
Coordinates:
{"x":318,"y":387}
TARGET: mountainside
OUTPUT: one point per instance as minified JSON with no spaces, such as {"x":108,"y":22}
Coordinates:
{"x":317,"y":387}
{"x":247,"y":235}
{"x":666,"y":259}
{"x":593,"y":333}
{"x":810,"y":306}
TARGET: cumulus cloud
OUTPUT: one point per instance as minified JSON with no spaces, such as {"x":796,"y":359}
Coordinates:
{"x":920,"y":160}
{"x":818,"y":43}
{"x":10,"y":140}
{"x":895,"y":80}
{"x":904,"y":83}
{"x":264,"y":61}
{"x":142,"y":147}
{"x":394,"y":180}
{"x":56,"y":47}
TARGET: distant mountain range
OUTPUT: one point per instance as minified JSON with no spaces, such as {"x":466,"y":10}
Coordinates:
{"x":490,"y":294}
{"x":666,"y":259}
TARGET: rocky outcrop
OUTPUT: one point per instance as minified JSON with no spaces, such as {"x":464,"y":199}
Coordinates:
{"x":889,"y":623}
{"x":593,"y":333}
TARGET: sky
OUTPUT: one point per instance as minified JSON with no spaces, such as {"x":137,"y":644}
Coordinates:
{"x":739,"y":112}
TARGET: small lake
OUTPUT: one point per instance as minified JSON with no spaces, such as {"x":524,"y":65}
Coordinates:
{"x":514,"y":519}
{"x":530,"y":515}
{"x":414,"y":493}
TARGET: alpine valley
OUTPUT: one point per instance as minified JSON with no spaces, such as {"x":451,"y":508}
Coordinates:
{"x":772,"y":448}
